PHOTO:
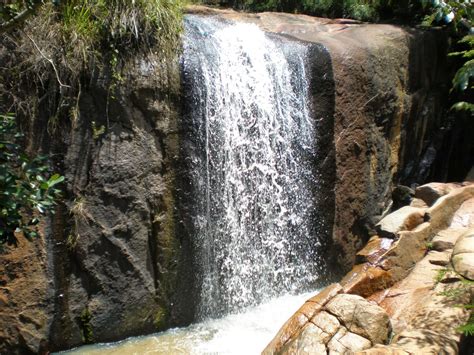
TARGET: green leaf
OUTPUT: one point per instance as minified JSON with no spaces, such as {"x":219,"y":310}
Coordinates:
{"x":463,"y":75}
{"x":463,"y":106}
{"x":55,"y":179}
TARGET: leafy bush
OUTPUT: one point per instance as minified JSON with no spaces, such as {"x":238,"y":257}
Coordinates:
{"x":365,"y":10}
{"x":458,"y":16}
{"x":27,"y":190}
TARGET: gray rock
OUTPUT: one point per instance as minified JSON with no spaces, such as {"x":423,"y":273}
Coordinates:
{"x":431,"y":192}
{"x":441,"y":245}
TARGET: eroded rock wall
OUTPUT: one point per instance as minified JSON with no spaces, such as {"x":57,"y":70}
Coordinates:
{"x":107,"y":267}
{"x":389,"y":103}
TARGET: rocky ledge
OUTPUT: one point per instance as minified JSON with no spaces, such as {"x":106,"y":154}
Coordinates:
{"x":403,"y":296}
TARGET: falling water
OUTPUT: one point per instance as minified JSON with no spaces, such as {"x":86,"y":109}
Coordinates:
{"x":249,"y":155}
{"x":251,"y":149}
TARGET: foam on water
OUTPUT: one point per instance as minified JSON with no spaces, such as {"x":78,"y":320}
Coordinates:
{"x":236,"y":334}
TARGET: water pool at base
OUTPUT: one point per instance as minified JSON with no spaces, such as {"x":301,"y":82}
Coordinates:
{"x":245,"y":333}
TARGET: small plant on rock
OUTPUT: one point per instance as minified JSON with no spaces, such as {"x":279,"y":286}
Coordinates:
{"x":27,"y":189}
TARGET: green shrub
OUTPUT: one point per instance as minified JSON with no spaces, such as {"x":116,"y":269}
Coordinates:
{"x":27,"y":189}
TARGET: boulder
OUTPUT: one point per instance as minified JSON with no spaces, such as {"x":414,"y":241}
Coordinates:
{"x":465,"y":243}
{"x":361,"y":317}
{"x":346,"y":342}
{"x":293,"y":326}
{"x":326,"y":322}
{"x":463,"y":255}
{"x":431,"y":192}
{"x":404,"y":219}
{"x":464,"y":264}
{"x":441,"y":245}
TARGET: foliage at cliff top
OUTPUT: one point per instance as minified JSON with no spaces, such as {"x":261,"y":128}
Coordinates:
{"x":460,"y":15}
{"x":27,"y":189}
{"x":70,"y":38}
{"x":365,"y":10}
{"x":94,"y":22}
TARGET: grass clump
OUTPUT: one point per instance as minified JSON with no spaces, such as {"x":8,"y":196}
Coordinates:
{"x":62,"y":44}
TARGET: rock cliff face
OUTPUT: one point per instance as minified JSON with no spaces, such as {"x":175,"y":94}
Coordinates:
{"x":107,"y":267}
{"x":113,"y":259}
{"x":388,"y":120}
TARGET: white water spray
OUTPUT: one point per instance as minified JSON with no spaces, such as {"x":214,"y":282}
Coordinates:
{"x":254,"y":180}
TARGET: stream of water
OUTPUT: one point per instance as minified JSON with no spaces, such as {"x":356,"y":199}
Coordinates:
{"x":236,"y":334}
{"x":250,"y":148}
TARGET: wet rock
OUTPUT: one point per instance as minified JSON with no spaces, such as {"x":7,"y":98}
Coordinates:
{"x":374,"y":250}
{"x":364,"y":280}
{"x":361,"y":317}
{"x":402,"y":196}
{"x":404,"y":219}
{"x":293,"y":326}
{"x":374,"y":131}
{"x":327,"y":294}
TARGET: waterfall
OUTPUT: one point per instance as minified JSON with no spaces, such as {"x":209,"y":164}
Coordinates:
{"x":250,"y":148}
